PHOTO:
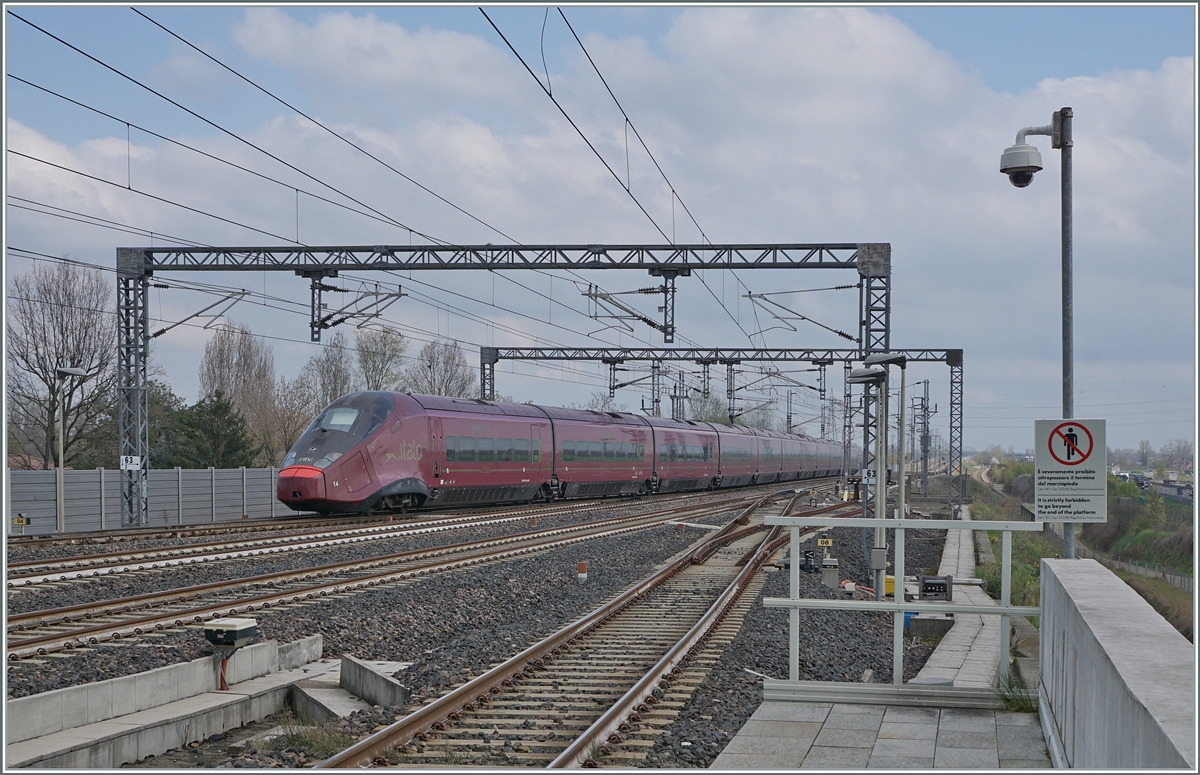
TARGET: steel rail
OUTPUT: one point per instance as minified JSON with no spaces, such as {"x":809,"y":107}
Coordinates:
{"x":188,"y":554}
{"x":432,"y":717}
{"x":80,"y":564}
{"x":133,"y":627}
{"x":45,"y":617}
{"x":608,"y":728}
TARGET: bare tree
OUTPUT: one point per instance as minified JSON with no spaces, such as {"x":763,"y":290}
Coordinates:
{"x":601,"y":401}
{"x":1144,"y":452}
{"x":441,"y":369}
{"x":710,"y":409}
{"x":60,"y":316}
{"x":380,"y":357}
{"x":330,"y":373}
{"x":293,"y":407}
{"x":242,"y":368}
{"x":1178,"y":453}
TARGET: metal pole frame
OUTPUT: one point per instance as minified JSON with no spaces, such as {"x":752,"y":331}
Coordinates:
{"x":1062,"y":122}
{"x":959,"y":493}
{"x":133,"y":356}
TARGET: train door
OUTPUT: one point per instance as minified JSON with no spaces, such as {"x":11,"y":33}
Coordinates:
{"x":437,"y":443}
{"x":535,"y":448}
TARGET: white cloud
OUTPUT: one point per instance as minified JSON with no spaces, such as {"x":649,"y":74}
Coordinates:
{"x":797,"y":124}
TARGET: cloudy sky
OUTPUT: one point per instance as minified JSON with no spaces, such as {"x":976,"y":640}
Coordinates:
{"x":775,"y":124}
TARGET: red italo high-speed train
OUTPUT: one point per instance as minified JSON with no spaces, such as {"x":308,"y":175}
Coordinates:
{"x":381,"y":451}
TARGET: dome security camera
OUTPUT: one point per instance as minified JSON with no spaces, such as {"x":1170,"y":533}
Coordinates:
{"x":1019,"y":162}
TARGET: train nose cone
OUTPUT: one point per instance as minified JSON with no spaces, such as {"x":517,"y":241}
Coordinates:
{"x":300,"y":483}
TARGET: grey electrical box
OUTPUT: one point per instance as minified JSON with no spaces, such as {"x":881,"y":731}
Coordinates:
{"x":935,"y":587}
{"x":231,"y":632}
{"x":829,"y":572}
{"x":879,"y":558}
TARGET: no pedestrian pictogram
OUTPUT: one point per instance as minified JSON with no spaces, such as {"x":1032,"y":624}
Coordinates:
{"x":1070,"y":470}
{"x":1070,"y":443}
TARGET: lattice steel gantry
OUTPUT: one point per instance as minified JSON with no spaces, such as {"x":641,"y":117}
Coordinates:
{"x":136,"y":265}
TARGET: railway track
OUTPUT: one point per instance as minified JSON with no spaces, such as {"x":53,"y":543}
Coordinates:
{"x":37,"y":572}
{"x":39,"y":632}
{"x":601,"y":688}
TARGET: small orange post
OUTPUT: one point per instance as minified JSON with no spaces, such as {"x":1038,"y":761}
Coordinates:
{"x":581,"y":569}
{"x":224,"y":664}
{"x":533,"y":522}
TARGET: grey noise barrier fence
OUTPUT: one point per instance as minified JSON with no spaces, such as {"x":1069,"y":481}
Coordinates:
{"x":177,"y":496}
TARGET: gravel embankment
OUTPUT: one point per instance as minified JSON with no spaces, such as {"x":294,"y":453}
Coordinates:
{"x":834,"y":646}
{"x":122,"y":585}
{"x":450,"y":625}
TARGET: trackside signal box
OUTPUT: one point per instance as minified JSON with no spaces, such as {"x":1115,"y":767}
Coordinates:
{"x":935,"y":587}
{"x":231,"y":633}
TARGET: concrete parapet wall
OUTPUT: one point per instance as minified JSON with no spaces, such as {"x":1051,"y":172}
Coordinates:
{"x":1116,"y":678}
{"x":53,"y":711}
{"x":363,"y":682}
{"x":300,"y":652}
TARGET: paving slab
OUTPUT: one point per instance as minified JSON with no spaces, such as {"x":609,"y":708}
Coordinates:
{"x":892,"y":730}
{"x":854,"y":736}
{"x":948,"y":738}
{"x":966,"y":758}
{"x":828,"y":758}
{"x":757,"y":728}
{"x":893,"y":747}
{"x":846,"y":738}
{"x":774,"y":710}
{"x":755,"y":762}
{"x":900,"y":763}
{"x":911,"y":715}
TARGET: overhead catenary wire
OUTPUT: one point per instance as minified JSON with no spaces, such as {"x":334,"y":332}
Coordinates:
{"x":336,"y":134}
{"x":214,"y":157}
{"x":297,"y":308}
{"x":231,"y":134}
{"x":152,"y":196}
{"x":630,"y":125}
{"x":213,"y":124}
{"x":339,"y":136}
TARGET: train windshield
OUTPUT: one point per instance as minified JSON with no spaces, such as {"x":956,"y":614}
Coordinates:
{"x":344,"y":423}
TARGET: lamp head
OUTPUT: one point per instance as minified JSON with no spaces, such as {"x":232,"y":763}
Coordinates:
{"x":867,"y":376}
{"x":886,"y":359}
{"x":64,"y":373}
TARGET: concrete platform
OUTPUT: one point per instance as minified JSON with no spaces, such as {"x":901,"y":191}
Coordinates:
{"x":133,"y":736}
{"x":840,"y":736}
{"x":953,"y":732}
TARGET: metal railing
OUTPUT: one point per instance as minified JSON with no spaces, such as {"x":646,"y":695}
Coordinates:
{"x":1004,"y":609}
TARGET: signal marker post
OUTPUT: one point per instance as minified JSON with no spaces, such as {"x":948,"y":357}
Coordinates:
{"x":1070,"y":471}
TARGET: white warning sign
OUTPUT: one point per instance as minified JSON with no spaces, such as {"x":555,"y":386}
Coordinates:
{"x":1070,"y":471}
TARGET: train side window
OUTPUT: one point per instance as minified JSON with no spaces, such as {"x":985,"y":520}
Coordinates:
{"x":610,"y":450}
{"x":568,"y":450}
{"x":504,"y":449}
{"x":662,"y":453}
{"x":640,"y":453}
{"x":521,"y":450}
{"x":595,"y":451}
{"x":537,"y":450}
{"x":466,"y":449}
{"x":487,"y":450}
{"x":451,"y":449}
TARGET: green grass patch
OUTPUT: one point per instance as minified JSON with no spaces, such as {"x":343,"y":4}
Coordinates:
{"x":1172,"y":603}
{"x":1028,"y":549}
{"x":301,"y":736}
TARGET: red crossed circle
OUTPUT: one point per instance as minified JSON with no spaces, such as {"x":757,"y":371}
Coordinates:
{"x":1058,"y":432}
